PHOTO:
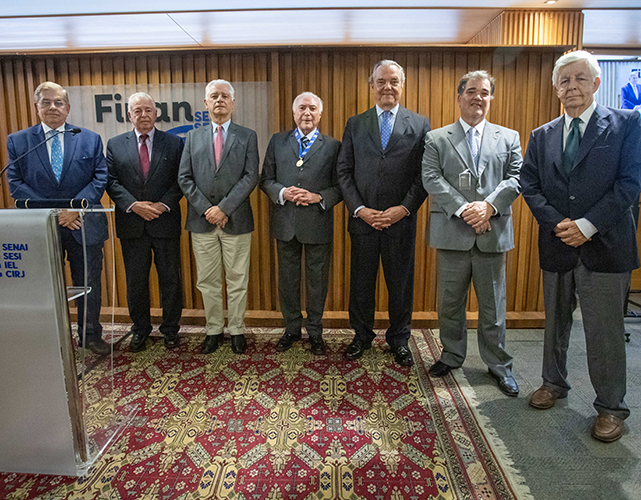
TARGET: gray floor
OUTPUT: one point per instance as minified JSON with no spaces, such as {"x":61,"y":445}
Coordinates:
{"x":553,"y":449}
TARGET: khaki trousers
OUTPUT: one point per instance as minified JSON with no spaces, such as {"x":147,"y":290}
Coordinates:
{"x":214,"y":251}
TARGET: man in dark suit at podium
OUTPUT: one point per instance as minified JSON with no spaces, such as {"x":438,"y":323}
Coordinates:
{"x":631,"y":93}
{"x":299,"y":176}
{"x":67,"y":166}
{"x":143,"y":183}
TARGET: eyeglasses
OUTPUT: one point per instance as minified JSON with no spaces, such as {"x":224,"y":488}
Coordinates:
{"x":46,"y":103}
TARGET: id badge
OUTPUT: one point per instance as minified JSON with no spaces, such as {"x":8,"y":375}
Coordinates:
{"x":465,"y":181}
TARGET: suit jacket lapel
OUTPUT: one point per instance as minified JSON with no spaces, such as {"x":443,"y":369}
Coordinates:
{"x":400,"y":125}
{"x":598,"y":123}
{"x":208,"y":132}
{"x":456,"y":136}
{"x":134,"y":156}
{"x":293,"y":143}
{"x":229,"y":141}
{"x":371,"y":123}
{"x":488,"y":146}
{"x":157,"y":151}
{"x":41,"y":151}
{"x":70,"y":148}
{"x":554,"y":138}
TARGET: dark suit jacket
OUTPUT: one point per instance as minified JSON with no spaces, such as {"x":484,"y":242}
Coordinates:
{"x":602,"y":186}
{"x":311,"y":224}
{"x":229,"y":187}
{"x":127,"y":185}
{"x":379,"y":179}
{"x":628,"y":98}
{"x":84,"y":174}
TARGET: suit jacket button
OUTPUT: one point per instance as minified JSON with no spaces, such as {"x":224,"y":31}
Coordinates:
{"x":382,"y":157}
{"x":572,"y":197}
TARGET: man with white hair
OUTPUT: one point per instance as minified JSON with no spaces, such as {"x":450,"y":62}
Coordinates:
{"x":299,"y":176}
{"x":143,"y":183}
{"x":580,"y":178}
{"x":218,"y":172}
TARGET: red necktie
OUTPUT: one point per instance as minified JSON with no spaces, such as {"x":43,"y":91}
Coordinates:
{"x":144,"y":155}
{"x":218,"y":145}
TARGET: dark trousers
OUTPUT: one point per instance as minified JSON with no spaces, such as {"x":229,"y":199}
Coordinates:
{"x":74,"y":253}
{"x":397,"y":256}
{"x":317,"y":258}
{"x":137,"y":255}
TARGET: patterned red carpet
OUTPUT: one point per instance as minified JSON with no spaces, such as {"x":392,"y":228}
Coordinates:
{"x":282,"y":426}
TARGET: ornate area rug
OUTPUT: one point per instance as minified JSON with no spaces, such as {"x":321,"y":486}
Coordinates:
{"x":284,"y":426}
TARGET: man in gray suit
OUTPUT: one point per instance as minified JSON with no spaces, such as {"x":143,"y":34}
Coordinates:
{"x":299,"y":176}
{"x":471,"y":172}
{"x":218,"y":171}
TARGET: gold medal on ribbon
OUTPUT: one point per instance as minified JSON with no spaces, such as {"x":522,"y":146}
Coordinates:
{"x":299,"y":163}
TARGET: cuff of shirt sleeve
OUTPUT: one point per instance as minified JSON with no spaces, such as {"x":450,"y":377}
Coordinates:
{"x":460,"y":210}
{"x":586,"y":227}
{"x":407,"y":212}
{"x":129,"y":209}
{"x":281,"y":200}
{"x":356,"y":211}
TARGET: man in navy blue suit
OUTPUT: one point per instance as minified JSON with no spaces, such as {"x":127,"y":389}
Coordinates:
{"x":580,"y":178}
{"x":631,"y":93}
{"x":68,"y":166}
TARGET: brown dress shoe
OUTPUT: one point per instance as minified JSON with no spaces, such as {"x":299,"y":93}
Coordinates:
{"x":544,"y":398}
{"x":607,"y":428}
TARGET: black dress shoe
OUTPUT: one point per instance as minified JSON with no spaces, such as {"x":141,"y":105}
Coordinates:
{"x":403,"y":355}
{"x":439,"y":369}
{"x":172,"y":340}
{"x":138,"y":342}
{"x":238,"y":344}
{"x":356,"y":349}
{"x":98,"y":346}
{"x":318,"y":346}
{"x":507,"y":385}
{"x":210,"y":343}
{"x":287,"y":340}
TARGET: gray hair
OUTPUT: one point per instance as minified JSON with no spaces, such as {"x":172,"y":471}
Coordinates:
{"x":474,"y":75}
{"x":213,"y":83}
{"x":138,"y":96}
{"x":386,"y":62}
{"x":308,"y":94}
{"x":578,"y":55}
{"x":49,"y":86}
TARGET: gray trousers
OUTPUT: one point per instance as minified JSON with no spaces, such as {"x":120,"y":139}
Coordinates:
{"x":602,"y":297}
{"x":486,"y":271}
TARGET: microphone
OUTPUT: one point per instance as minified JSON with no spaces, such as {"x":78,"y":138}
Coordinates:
{"x":73,"y":131}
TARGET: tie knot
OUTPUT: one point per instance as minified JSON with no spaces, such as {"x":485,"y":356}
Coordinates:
{"x":144,"y":137}
{"x":53,"y":133}
{"x":304,"y":142}
{"x":575,"y":123}
{"x":219,"y":129}
{"x":471,"y":132}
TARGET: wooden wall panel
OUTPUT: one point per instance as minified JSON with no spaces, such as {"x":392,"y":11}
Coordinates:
{"x":523,"y":100}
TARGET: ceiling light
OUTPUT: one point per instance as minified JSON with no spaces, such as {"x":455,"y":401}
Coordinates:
{"x":550,"y":2}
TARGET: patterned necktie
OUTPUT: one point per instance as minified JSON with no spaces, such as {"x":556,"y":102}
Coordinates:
{"x":144,"y":155}
{"x":471,"y":137}
{"x":572,"y":145}
{"x":218,"y":145}
{"x":386,"y":128}
{"x":304,"y":142}
{"x":56,"y":154}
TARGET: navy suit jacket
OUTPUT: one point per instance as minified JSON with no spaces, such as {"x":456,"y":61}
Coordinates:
{"x":380,"y":179}
{"x":311,"y":224}
{"x":127,"y":184}
{"x":602,"y":187}
{"x":84,"y":174}
{"x":628,"y":98}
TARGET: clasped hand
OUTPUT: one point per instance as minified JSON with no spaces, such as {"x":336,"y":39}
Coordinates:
{"x":69,"y":220}
{"x":477,"y":214}
{"x":300,"y":196}
{"x":570,"y":233}
{"x":380,"y":220}
{"x":216,"y":216}
{"x":148,"y":210}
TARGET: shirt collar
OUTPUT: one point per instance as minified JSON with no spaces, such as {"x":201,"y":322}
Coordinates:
{"x":309,"y":136}
{"x":46,"y":128}
{"x":225,"y":126}
{"x":585,"y":116}
{"x":479,"y":127}
{"x":380,"y":111}
{"x":150,"y":134}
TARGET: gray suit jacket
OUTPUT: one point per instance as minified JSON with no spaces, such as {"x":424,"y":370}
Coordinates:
{"x":446,"y":156}
{"x":228,"y":187}
{"x":311,"y":224}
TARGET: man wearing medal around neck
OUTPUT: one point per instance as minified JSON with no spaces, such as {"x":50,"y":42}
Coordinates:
{"x":299,"y":176}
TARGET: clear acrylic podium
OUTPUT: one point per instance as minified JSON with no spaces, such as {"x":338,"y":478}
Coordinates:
{"x":54,"y":418}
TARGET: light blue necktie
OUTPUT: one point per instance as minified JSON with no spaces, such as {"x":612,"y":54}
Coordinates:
{"x":56,"y":154}
{"x":474,"y":147}
{"x":386,"y":128}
